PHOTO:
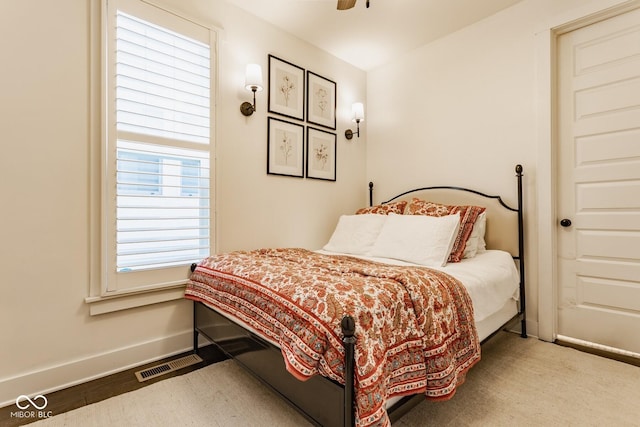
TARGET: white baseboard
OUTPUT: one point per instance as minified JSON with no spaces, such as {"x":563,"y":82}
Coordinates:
{"x":532,"y":329}
{"x":54,"y":378}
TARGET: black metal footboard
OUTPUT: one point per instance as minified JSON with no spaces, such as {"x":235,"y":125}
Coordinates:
{"x":322,"y":401}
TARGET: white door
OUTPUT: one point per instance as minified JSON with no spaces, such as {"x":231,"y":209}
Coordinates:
{"x":598,"y":171}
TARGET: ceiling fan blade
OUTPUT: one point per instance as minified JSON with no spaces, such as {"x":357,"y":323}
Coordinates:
{"x":346,"y":4}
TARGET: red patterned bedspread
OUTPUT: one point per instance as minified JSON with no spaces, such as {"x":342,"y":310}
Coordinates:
{"x":414,"y":326}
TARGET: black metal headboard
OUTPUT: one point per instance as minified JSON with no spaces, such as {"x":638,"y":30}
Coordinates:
{"x":502,"y":219}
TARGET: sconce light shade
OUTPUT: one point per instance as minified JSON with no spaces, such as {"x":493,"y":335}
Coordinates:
{"x":357,"y":110}
{"x":253,"y":77}
{"x":252,"y":82}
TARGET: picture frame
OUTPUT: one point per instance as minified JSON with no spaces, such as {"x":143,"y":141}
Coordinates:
{"x":321,"y":101}
{"x":285,"y":148}
{"x":286,"y":88}
{"x":321,"y":154}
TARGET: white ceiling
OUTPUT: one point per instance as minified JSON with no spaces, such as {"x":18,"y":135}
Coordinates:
{"x":369,"y":37}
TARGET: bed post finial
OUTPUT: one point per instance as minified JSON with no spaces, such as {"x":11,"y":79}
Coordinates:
{"x":348,"y":326}
{"x":370,"y":193}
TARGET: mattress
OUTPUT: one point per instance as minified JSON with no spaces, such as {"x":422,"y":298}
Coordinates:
{"x":491,"y":279}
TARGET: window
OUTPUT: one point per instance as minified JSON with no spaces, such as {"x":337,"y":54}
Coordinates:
{"x":162,"y":212}
{"x":157,"y":198}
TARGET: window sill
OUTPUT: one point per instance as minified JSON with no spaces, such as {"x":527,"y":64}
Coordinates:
{"x":111,"y":303}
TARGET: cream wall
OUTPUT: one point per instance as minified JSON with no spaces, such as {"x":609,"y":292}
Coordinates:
{"x":47,"y":337}
{"x":461,"y":110}
{"x":465,"y":109}
{"x":259,"y":210}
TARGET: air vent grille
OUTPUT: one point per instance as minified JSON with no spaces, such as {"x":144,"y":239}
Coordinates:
{"x":165,"y":368}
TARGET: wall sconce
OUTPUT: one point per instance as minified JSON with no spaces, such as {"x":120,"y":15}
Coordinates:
{"x":252,"y":82}
{"x":358,"y":116}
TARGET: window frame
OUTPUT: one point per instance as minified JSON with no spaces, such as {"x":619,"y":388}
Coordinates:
{"x":102,"y":299}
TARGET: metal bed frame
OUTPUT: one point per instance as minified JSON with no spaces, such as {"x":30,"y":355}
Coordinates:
{"x":323,"y":401}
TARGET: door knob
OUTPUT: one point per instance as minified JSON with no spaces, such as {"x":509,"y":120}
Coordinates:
{"x":565,"y":222}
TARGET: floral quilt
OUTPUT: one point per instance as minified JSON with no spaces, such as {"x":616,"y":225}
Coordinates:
{"x":414,"y":325}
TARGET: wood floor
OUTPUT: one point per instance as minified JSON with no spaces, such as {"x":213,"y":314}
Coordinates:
{"x":104,"y":388}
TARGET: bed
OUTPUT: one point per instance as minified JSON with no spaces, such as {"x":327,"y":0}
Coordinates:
{"x":360,"y":331}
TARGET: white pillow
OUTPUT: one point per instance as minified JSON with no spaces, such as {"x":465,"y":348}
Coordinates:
{"x":475,"y":242}
{"x":355,"y":234}
{"x":419,"y":239}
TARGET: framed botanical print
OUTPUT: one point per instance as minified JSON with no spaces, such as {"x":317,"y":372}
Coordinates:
{"x":321,"y":101}
{"x":285,"y":148}
{"x":286,"y":88}
{"x":321,"y":154}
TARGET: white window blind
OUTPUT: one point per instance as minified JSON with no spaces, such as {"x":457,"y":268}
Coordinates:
{"x":159,"y":175}
{"x":162,"y":82}
{"x":162,"y":206}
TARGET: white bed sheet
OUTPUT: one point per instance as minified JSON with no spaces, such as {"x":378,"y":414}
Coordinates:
{"x":491,"y":278}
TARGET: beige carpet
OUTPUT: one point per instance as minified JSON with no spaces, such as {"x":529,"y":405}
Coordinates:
{"x":518,"y":383}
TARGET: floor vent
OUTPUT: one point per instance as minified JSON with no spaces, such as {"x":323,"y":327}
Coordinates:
{"x":174,"y":365}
